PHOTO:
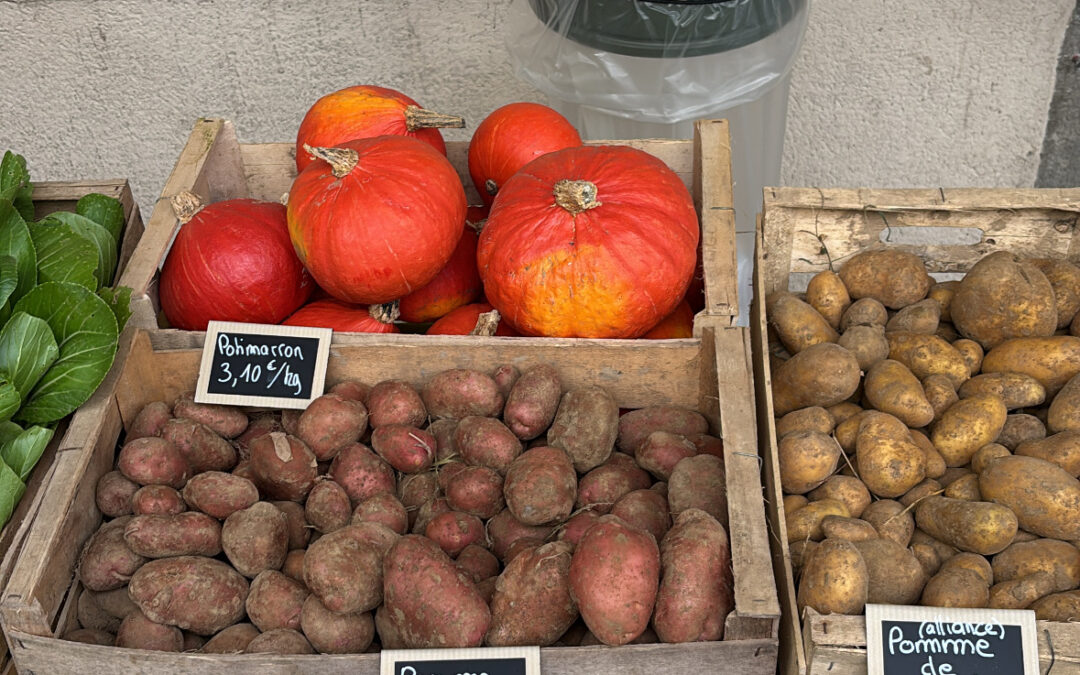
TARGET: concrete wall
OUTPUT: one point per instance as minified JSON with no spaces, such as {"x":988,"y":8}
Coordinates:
{"x":892,"y":93}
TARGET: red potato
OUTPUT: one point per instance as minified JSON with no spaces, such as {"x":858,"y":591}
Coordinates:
{"x":327,"y":507}
{"x":203,"y":449}
{"x":406,"y":448}
{"x":225,"y":421}
{"x":477,"y":562}
{"x":428,"y":510}
{"x":477,"y":490}
{"x":295,"y":523}
{"x":193,"y":642}
{"x":453,"y":531}
{"x":541,"y":486}
{"x":256,"y":539}
{"x":614,"y":577}
{"x":505,"y":376}
{"x":219,"y":494}
{"x":699,"y":482}
{"x":574,"y":529}
{"x":231,"y":640}
{"x":636,"y":425}
{"x":244,"y":470}
{"x":92,"y":615}
{"x":362,"y":473}
{"x":533,"y":401}
{"x":660,"y":451}
{"x":113,"y":494}
{"x":585,"y":426}
{"x":696,"y":592}
{"x":165,"y":536}
{"x":357,"y":390}
{"x":462,"y":392}
{"x":486,"y":589}
{"x":438,"y":606}
{"x":293,"y":567}
{"x":116,"y":603}
{"x":290,"y":420}
{"x":600,"y":488}
{"x":521,"y":546}
{"x":707,"y":445}
{"x":646,"y":510}
{"x":139,"y":632}
{"x":91,"y":636}
{"x":485,"y":441}
{"x":153,"y":461}
{"x":387,"y":627}
{"x":330,"y":423}
{"x":443,"y":431}
{"x":532,"y":604}
{"x":284,"y":467}
{"x":150,"y":421}
{"x":106,"y":562}
{"x":157,"y":499}
{"x":414,"y":489}
{"x":395,"y":402}
{"x":275,"y":601}
{"x":447,"y":472}
{"x":335,"y":633}
{"x":260,"y":425}
{"x":175,"y":591}
{"x":503,"y":529}
{"x":376,"y":535}
{"x":280,"y":641}
{"x":384,"y":509}
{"x":344,"y":573}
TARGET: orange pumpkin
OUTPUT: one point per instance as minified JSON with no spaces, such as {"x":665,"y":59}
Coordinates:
{"x":457,"y":284}
{"x":365,"y":111}
{"x":678,"y":324}
{"x":341,"y":317}
{"x":593,"y":241}
{"x":463,"y":321}
{"x":376,"y":218}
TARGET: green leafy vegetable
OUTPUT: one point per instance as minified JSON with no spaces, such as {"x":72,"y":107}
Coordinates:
{"x":9,"y":277}
{"x":64,"y":255}
{"x":86,"y":332}
{"x":15,"y":242}
{"x":9,"y":399}
{"x":15,"y":184}
{"x":9,"y":431}
{"x":11,"y":491}
{"x":102,"y":240}
{"x":27,"y":349}
{"x":119,"y":301}
{"x":105,"y":211}
{"x":22,"y":452}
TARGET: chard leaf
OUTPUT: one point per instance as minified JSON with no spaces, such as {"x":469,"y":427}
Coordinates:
{"x":9,"y":431}
{"x":9,"y":277}
{"x":105,"y":211}
{"x":27,"y":349}
{"x":85,"y":330}
{"x":119,"y":301}
{"x":9,"y":399}
{"x":15,"y":241}
{"x":63,"y":254}
{"x":24,"y":451}
{"x":104,"y":242}
{"x":15,"y":184}
{"x":11,"y":491}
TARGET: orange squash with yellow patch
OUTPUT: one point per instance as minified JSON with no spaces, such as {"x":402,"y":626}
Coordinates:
{"x":593,"y":241}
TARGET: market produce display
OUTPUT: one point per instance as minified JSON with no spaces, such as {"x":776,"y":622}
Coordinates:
{"x":60,"y":317}
{"x":927,"y":434}
{"x":481,"y":508}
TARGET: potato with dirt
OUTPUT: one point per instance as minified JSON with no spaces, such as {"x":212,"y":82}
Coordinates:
{"x":283,"y":466}
{"x":822,"y":375}
{"x":274,"y":601}
{"x":344,"y":573}
{"x":219,"y":494}
{"x":256,"y":539}
{"x":797,"y":324}
{"x":106,"y":561}
{"x":892,"y":277}
{"x":696,"y":593}
{"x":541,"y":486}
{"x":533,"y":402}
{"x":176,"y":592}
{"x":835,"y":579}
{"x":586,"y":426}
{"x":395,"y":402}
{"x":532,"y":604}
{"x":331,"y":422}
{"x":462,"y":392}
{"x":333,"y":632}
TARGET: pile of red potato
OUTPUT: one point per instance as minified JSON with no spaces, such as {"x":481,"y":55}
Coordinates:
{"x":482,"y":509}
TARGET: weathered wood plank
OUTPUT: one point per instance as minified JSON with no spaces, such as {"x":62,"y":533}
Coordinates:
{"x":715,"y":206}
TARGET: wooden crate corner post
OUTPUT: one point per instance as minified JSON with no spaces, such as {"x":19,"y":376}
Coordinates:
{"x":714,"y":201}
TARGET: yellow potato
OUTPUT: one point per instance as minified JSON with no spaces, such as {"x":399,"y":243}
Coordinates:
{"x":940,"y":393}
{"x":927,"y":355}
{"x":920,"y":317}
{"x":814,"y":418}
{"x":984,"y":455}
{"x":1020,"y":427}
{"x":979,"y":527}
{"x":943,"y":292}
{"x":1016,"y":390}
{"x":797,"y":324}
{"x":953,"y":474}
{"x":948,"y":333}
{"x":891,"y":388}
{"x":974,"y":563}
{"x":971,"y":351}
{"x":966,"y":426}
{"x":1058,"y":558}
{"x":935,"y":463}
{"x":794,"y":502}
{"x":955,"y":587}
{"x":927,"y":557}
{"x":806,"y":522}
{"x":895,"y":575}
{"x":846,"y":433}
{"x":1052,"y":361}
{"x":828,"y":295}
{"x":821,"y":375}
{"x":1064,"y":412}
{"x":886,"y":459}
{"x":945,"y":552}
{"x":800,"y":552}
{"x":845,"y":489}
{"x":893,"y":278}
{"x":842,"y":411}
{"x":1019,"y":593}
{"x":1044,"y":497}
{"x":1064,"y":278}
{"x":1058,"y":607}
{"x":834,"y":580}
{"x":966,"y":488}
{"x":924,"y":489}
{"x":849,"y":529}
{"x":867,"y":343}
{"x":864,"y":312}
{"x":1003,"y":297}
{"x":806,"y":459}
{"x":891,"y":519}
{"x":1062,"y":449}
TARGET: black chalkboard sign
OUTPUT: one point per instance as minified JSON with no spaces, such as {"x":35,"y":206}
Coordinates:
{"x":939,"y":641}
{"x":479,"y":661}
{"x":262,"y":365}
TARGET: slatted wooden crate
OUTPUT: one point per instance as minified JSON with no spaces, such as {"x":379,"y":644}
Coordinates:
{"x":215,"y":166}
{"x":710,"y":373}
{"x":804,"y":231}
{"x":50,"y":197}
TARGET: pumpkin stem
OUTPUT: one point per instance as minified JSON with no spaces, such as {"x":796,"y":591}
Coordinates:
{"x":476,"y":226}
{"x":576,"y":195}
{"x":341,"y":160}
{"x":418,"y":118}
{"x":185,"y":205}
{"x":490,"y":187}
{"x":486,"y":324}
{"x":387,"y":312}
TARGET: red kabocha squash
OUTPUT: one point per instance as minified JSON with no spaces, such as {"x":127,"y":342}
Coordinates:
{"x":377,"y":218}
{"x":466,"y":320}
{"x":457,"y":284}
{"x":231,"y":261}
{"x":365,"y":111}
{"x":342,"y":317}
{"x":511,"y":137}
{"x":678,"y":324}
{"x":594,"y":241}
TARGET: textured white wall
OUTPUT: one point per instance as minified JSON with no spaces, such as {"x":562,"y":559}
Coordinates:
{"x":884,"y":93}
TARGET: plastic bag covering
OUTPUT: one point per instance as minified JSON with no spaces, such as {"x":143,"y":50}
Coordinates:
{"x":702,"y":57}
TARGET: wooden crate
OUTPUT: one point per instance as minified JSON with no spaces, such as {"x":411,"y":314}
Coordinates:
{"x":50,"y":197}
{"x":710,"y":373}
{"x":795,"y":230}
{"x":215,"y":166}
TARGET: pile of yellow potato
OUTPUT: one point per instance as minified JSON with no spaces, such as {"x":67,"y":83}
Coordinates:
{"x":929,"y":434}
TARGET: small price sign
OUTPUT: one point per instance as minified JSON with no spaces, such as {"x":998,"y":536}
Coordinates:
{"x":262,"y":365}
{"x":478,"y":661}
{"x":950,"y":641}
